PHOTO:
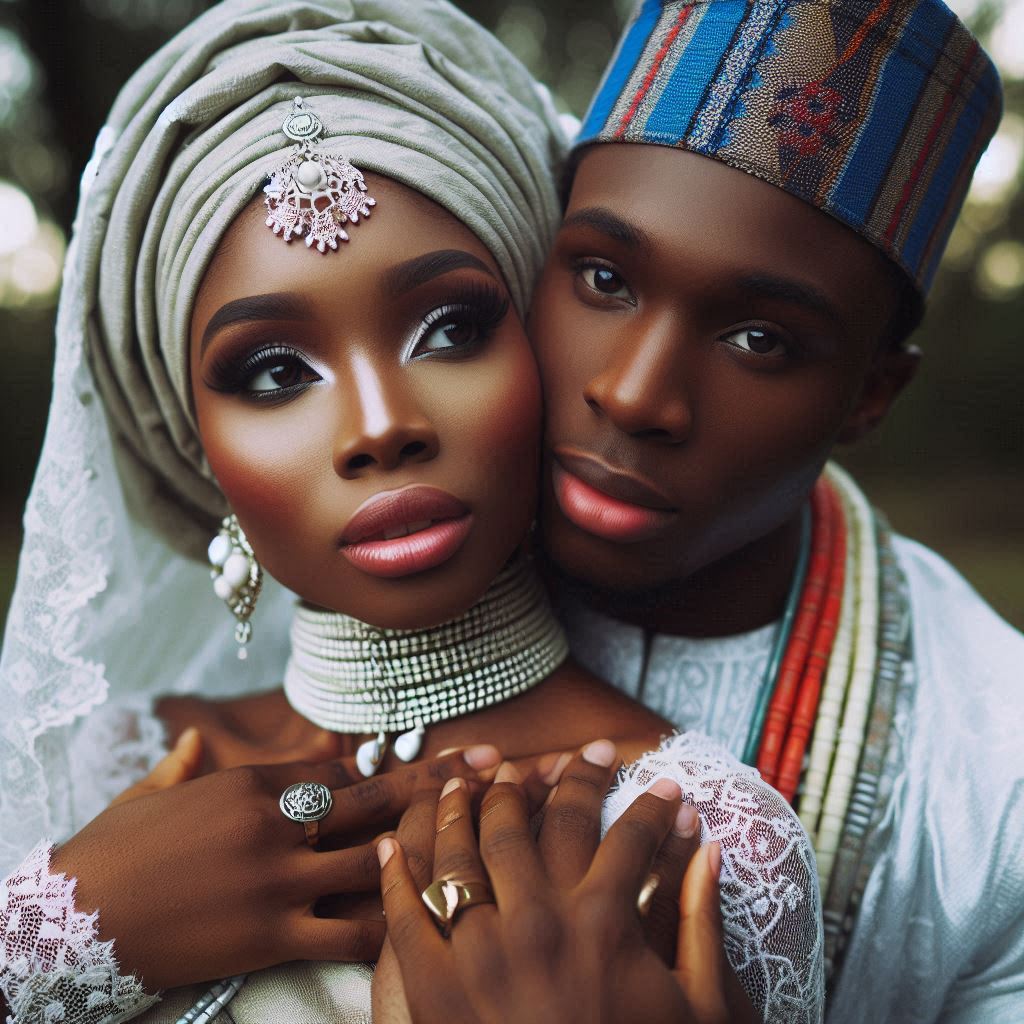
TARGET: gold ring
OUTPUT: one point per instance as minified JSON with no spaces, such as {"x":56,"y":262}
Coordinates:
{"x":447,"y":897}
{"x":647,"y":891}
{"x":448,"y":822}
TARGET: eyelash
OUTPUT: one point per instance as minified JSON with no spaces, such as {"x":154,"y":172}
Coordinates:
{"x":478,"y":305}
{"x":229,"y":374}
{"x":481,"y":307}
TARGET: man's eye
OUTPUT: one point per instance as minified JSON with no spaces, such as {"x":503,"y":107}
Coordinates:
{"x":279,"y":376}
{"x":756,"y":341}
{"x":605,"y":281}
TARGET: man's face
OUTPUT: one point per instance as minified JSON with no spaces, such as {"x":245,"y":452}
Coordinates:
{"x":704,"y":339}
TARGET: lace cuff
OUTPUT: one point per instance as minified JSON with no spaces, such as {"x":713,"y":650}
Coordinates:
{"x":771,"y":906}
{"x":53,"y":967}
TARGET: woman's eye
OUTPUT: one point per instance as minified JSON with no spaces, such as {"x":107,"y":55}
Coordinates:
{"x":280,"y":376}
{"x":605,"y":281}
{"x":756,"y":341}
{"x":443,"y":337}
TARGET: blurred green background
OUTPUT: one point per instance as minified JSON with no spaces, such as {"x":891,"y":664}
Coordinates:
{"x":947,"y":464}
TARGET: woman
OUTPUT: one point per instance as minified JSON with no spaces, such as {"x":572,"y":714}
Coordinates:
{"x":353,"y":410}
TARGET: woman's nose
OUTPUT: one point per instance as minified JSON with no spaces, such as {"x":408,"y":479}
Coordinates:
{"x":383,"y":427}
{"x":641,"y":390}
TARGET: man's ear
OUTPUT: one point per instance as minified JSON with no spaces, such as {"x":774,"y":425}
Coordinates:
{"x":890,"y":372}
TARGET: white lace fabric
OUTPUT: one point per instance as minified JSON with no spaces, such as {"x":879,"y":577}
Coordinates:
{"x":771,"y":907}
{"x":53,"y":966}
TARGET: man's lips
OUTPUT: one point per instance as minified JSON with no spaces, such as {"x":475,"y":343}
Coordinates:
{"x":398,"y":533}
{"x":607,"y":502}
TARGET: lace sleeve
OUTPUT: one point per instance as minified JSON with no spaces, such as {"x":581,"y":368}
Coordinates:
{"x":771,"y":907}
{"x":53,"y":967}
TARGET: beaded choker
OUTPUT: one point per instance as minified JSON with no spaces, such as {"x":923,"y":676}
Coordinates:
{"x":347,"y":676}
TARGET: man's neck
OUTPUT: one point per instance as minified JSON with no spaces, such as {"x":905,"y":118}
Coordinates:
{"x":736,"y":594}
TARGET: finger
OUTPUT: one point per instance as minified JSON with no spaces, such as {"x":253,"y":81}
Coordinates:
{"x":539,"y":773}
{"x":661,"y":920}
{"x":700,"y":958}
{"x":342,"y":941}
{"x":507,"y":846}
{"x":354,"y":869}
{"x":416,"y":835}
{"x":424,"y":957}
{"x":413,"y":934}
{"x":623,"y":861}
{"x":572,"y":821}
{"x":180,"y":764}
{"x":383,"y":798}
{"x":456,"y":852}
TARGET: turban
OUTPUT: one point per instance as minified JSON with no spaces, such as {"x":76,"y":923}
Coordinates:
{"x":415,"y":91}
{"x":874,"y":111}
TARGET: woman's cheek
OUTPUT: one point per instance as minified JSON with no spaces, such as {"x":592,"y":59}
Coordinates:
{"x":265,"y":466}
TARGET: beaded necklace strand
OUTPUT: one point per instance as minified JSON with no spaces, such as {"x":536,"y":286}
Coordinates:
{"x":782,"y":636}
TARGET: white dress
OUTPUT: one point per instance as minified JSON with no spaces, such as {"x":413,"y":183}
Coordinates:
{"x":940,"y":932}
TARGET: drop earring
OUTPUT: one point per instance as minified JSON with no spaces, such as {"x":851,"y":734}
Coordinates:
{"x":237,"y":576}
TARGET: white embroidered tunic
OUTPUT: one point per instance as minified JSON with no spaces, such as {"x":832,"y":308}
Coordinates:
{"x":940,"y":932}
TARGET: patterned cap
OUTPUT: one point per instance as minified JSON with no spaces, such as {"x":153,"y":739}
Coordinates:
{"x":875,"y":111}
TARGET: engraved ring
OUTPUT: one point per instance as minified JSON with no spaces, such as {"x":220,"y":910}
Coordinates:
{"x":307,"y":803}
{"x":446,"y":897}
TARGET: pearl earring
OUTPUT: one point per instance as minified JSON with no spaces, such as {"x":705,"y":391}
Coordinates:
{"x":237,"y":576}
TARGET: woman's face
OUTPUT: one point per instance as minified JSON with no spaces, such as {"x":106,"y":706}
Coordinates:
{"x":373,"y":414}
{"x":704,"y":338}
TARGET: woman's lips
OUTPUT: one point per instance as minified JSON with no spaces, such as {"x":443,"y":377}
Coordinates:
{"x":605,"y":516}
{"x":397,"y":533}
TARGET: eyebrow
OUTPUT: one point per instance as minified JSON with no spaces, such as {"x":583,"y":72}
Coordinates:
{"x":788,"y":290}
{"x":599,"y":218}
{"x":272,"y":306}
{"x":420,"y":269}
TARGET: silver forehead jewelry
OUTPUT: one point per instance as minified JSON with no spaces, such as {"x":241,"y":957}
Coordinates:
{"x":349,"y":677}
{"x":307,"y":803}
{"x":314,"y":193}
{"x":237,"y":576}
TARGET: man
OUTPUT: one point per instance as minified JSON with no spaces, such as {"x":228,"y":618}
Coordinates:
{"x":759,"y":198}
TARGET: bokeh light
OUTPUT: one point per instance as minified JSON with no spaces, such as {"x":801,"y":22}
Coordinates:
{"x":18,"y":217}
{"x":1000,"y":274}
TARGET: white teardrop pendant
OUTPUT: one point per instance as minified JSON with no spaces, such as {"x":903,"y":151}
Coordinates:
{"x":370,"y":754}
{"x":409,"y":744}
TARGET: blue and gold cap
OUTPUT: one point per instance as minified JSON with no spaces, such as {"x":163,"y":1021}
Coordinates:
{"x":875,"y":111}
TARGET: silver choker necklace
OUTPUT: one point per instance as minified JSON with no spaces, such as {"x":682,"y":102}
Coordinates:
{"x":347,"y":676}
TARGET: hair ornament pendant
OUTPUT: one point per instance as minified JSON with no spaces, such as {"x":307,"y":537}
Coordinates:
{"x":314,"y":193}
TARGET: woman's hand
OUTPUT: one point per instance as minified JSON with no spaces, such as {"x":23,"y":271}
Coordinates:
{"x":564,"y":940}
{"x":208,"y":878}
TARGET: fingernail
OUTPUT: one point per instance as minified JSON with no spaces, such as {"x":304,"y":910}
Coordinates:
{"x":666,"y":789}
{"x":600,"y":752}
{"x":385,"y":851}
{"x":481,"y":757}
{"x":553,"y":776}
{"x":508,"y":773}
{"x":714,"y":860}
{"x":447,"y":751}
{"x":187,"y":737}
{"x":450,"y":786}
{"x":687,"y":821}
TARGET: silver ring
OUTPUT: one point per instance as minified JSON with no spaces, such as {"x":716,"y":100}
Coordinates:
{"x":307,"y":803}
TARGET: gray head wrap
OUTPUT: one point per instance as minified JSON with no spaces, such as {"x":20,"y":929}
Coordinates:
{"x":415,"y":91}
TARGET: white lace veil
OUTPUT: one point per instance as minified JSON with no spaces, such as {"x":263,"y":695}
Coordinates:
{"x":103,"y":609}
{"x":109,"y":609}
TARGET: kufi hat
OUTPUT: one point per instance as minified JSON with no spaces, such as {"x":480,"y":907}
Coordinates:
{"x":875,"y":111}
